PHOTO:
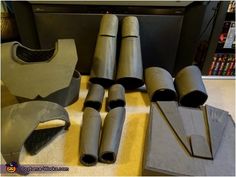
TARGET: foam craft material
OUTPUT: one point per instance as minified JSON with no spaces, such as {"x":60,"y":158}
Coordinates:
{"x":19,"y":122}
{"x":130,"y":67}
{"x":89,"y":137}
{"x":159,"y":83}
{"x":170,"y":110}
{"x":190,"y":87}
{"x":116,"y":96}
{"x":217,"y":121}
{"x":94,"y":97}
{"x":41,"y":74}
{"x":111,"y":135}
{"x":104,"y":59}
{"x":165,"y":155}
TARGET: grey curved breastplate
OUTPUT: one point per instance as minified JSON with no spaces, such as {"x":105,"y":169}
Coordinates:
{"x":19,"y":122}
{"x":41,"y":74}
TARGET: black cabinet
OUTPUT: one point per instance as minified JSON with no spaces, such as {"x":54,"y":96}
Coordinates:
{"x":169,"y":31}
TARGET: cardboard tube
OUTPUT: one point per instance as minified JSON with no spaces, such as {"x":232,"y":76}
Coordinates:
{"x":159,"y":84}
{"x":89,"y":137}
{"x":116,"y":96}
{"x":94,"y":97}
{"x":190,"y":87}
{"x":111,"y":135}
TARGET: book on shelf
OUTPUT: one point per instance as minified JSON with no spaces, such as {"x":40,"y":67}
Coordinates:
{"x":222,"y":65}
{"x":230,"y":39}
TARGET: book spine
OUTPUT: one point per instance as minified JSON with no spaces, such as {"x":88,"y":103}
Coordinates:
{"x":223,"y":60}
{"x":212,"y":65}
{"x":230,"y":66}
{"x":215,"y":71}
{"x":232,"y":72}
{"x":227,"y":62}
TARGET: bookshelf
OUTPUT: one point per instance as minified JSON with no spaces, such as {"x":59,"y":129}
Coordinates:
{"x":223,"y":61}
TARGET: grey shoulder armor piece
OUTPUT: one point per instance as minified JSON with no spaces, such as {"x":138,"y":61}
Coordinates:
{"x":19,"y":122}
{"x":38,"y":73}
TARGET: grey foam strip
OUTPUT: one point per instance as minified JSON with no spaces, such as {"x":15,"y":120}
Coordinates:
{"x":116,"y":96}
{"x":159,"y":84}
{"x":130,"y":67}
{"x":111,"y":135}
{"x":104,"y":60}
{"x":200,"y":147}
{"x":89,"y":137}
{"x":20,"y":120}
{"x":94,"y":97}
{"x":190,"y":87}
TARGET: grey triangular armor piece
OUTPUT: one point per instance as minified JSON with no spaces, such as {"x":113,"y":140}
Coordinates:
{"x":217,"y":120}
{"x":170,"y":110}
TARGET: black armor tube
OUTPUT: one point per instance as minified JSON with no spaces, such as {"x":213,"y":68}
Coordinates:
{"x":89,"y":137}
{"x":104,"y":60}
{"x":190,"y":87}
{"x":159,"y":84}
{"x":94,"y":97}
{"x":116,"y":96}
{"x":111,"y":135}
{"x":130,"y":68}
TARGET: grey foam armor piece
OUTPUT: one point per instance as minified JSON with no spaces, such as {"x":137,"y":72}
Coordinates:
{"x":159,"y":84}
{"x":32,"y":79}
{"x":94,"y":97}
{"x":165,"y":155}
{"x":170,"y":110}
{"x":108,"y":25}
{"x":130,"y":68}
{"x":190,"y":87}
{"x":116,"y":96}
{"x":217,"y":121}
{"x":89,"y":137}
{"x":104,"y":60}
{"x":111,"y":135}
{"x":130,"y":27}
{"x":20,"y":120}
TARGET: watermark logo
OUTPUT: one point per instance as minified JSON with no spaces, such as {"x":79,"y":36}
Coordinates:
{"x":11,"y":167}
{"x":14,"y":167}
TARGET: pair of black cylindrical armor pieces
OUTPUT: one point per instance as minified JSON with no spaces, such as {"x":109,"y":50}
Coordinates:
{"x":187,"y":88}
{"x":90,"y":151}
